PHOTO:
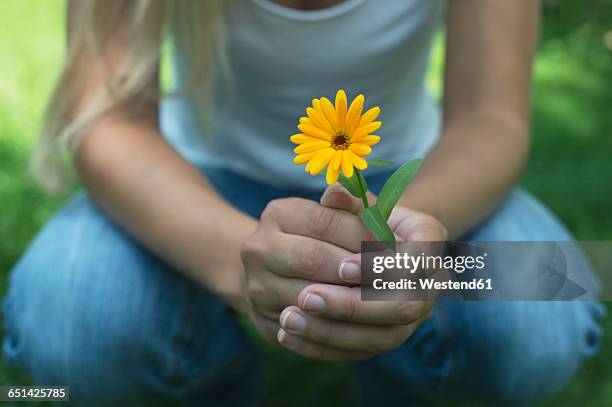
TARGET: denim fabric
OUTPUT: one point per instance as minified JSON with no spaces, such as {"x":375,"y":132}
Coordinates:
{"x":90,"y":308}
{"x":497,"y":352}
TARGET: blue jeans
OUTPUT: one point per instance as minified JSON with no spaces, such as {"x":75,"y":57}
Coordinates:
{"x":90,"y":308}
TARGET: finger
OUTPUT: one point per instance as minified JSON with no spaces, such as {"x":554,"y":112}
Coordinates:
{"x":344,"y":335}
{"x":317,"y":351}
{"x":349,"y":270}
{"x":270,"y":293}
{"x":410,"y":225}
{"x":307,"y":218}
{"x":305,"y":258}
{"x":344,"y":304}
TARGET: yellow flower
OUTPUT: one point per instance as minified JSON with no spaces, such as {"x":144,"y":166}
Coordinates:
{"x":336,"y":137}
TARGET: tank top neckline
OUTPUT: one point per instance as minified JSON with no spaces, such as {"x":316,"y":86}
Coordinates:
{"x":308,"y":15}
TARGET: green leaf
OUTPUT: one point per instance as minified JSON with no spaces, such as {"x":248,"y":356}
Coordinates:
{"x":395,"y":186}
{"x":380,"y":163}
{"x":351,"y":184}
{"x":376,"y":223}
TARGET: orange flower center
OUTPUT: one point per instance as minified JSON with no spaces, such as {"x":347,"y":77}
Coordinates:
{"x":340,"y":141}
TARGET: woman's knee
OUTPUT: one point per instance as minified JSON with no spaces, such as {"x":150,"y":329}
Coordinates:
{"x":89,"y":308}
{"x":519,"y":352}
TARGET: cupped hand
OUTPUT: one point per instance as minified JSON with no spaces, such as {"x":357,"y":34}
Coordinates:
{"x":330,"y":322}
{"x":297,"y":242}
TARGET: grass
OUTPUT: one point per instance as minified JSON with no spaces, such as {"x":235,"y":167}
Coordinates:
{"x":570,"y":170}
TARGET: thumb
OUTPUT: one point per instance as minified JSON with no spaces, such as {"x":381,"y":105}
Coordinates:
{"x":337,"y":197}
{"x":411,"y":225}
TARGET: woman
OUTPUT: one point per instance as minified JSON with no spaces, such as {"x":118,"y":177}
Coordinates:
{"x":132,"y":290}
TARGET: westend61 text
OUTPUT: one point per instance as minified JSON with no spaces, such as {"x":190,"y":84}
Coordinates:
{"x":432,"y":284}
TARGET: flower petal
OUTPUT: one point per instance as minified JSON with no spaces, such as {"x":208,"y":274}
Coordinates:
{"x":319,"y":120}
{"x":347,"y":165}
{"x":365,"y":130}
{"x":311,"y":146}
{"x":330,"y":112}
{"x":332,"y":175}
{"x":354,"y":114}
{"x":320,"y":160}
{"x":369,"y":140}
{"x":357,"y":161}
{"x":360,"y":149}
{"x":307,"y":168}
{"x":369,"y":116}
{"x":313,"y":131}
{"x":302,"y":138}
{"x":304,"y":120}
{"x":341,"y":109}
{"x":336,"y":160}
{"x":302,"y":158}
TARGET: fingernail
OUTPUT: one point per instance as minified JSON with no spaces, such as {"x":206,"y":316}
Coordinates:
{"x":313,"y":302}
{"x":293,"y":321}
{"x":286,"y":340}
{"x":349,"y":271}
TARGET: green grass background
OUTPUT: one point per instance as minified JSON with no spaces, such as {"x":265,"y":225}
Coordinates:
{"x":570,"y":169}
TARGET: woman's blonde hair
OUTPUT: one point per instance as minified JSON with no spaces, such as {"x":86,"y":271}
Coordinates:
{"x":138,"y":27}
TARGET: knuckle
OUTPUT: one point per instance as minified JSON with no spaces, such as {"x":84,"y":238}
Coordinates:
{"x":327,"y":335}
{"x":406,"y":312}
{"x":276,"y":207}
{"x":435,"y":228}
{"x":272,"y":209}
{"x":323,"y":220}
{"x":291,"y":203}
{"x":350,"y":309}
{"x":255,"y":291}
{"x":272,"y":315}
{"x":252,"y":247}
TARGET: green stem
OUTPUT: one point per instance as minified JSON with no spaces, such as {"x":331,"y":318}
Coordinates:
{"x":364,"y":195}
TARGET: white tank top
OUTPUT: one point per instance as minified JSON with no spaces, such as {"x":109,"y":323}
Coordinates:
{"x":282,"y":58}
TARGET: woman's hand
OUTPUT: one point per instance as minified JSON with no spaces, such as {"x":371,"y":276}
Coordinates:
{"x":295,"y":258}
{"x":296,"y":243}
{"x":331,"y":322}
